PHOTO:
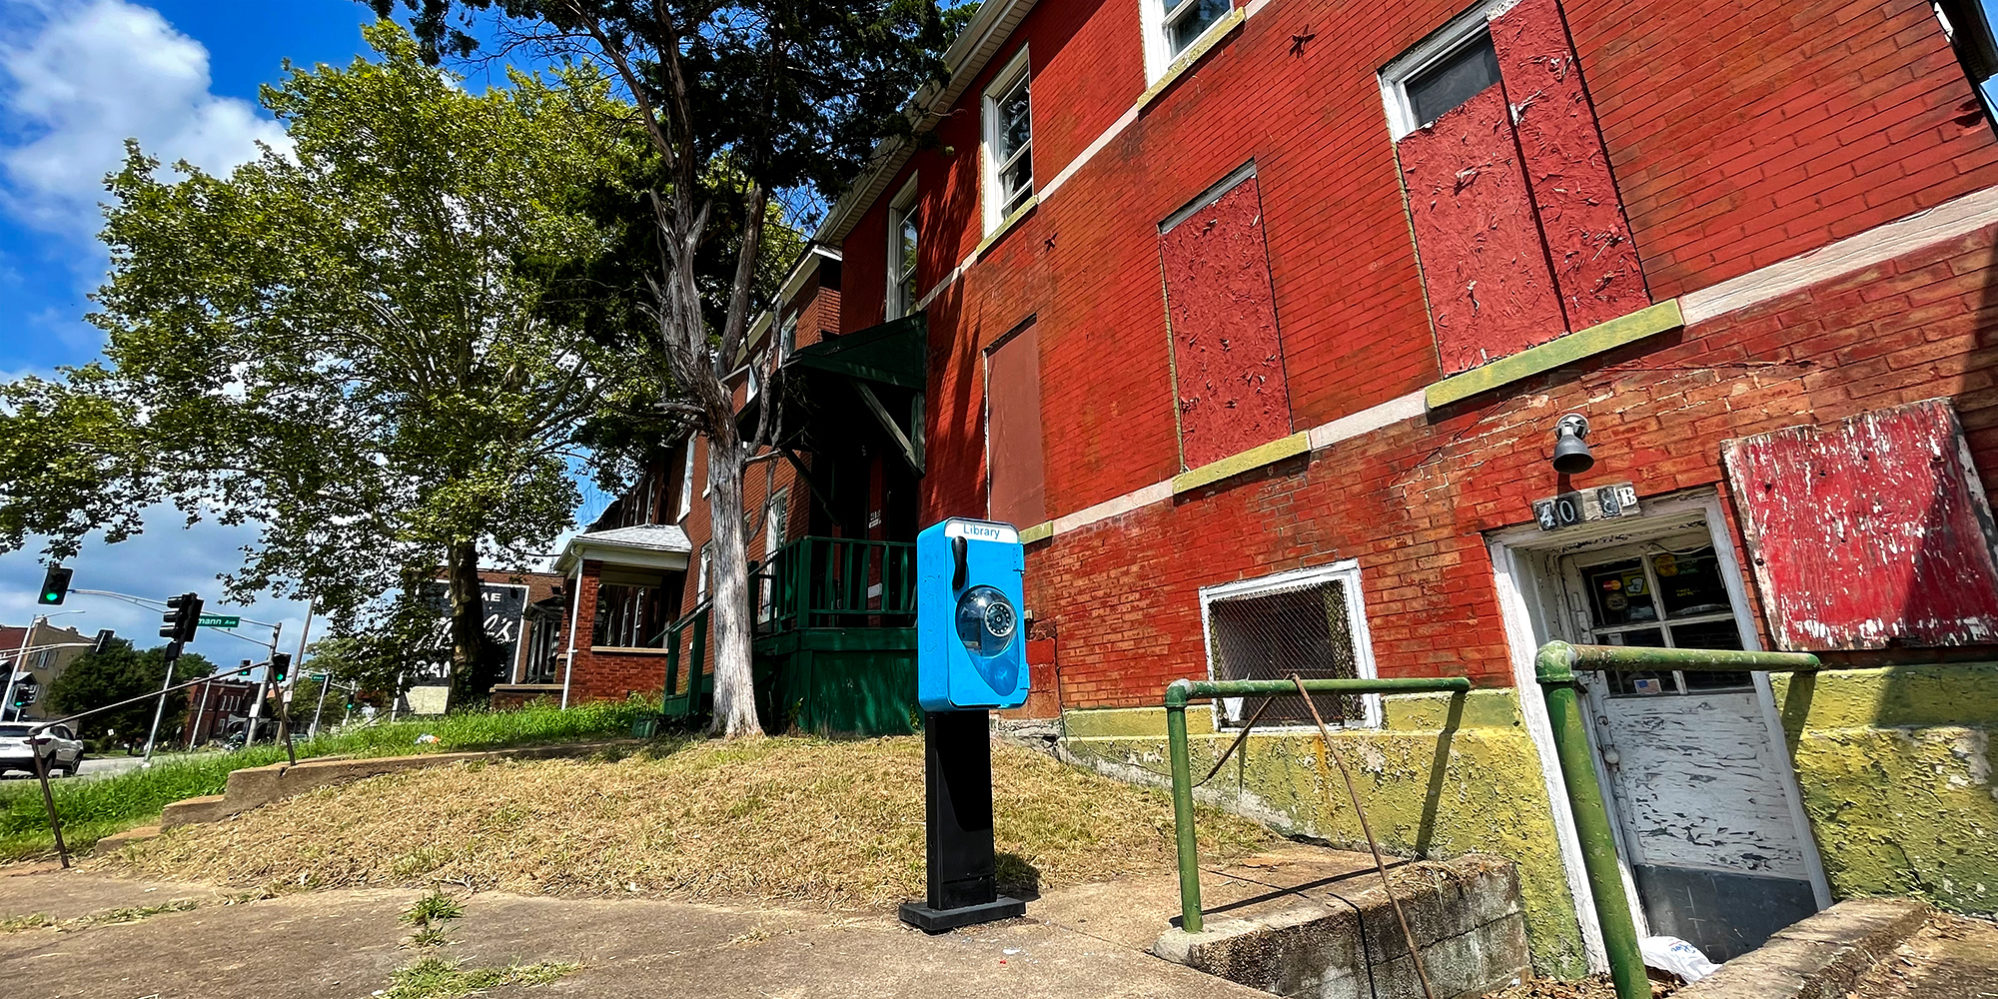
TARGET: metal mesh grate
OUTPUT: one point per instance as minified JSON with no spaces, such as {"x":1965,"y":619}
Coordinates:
{"x":1303,"y":628}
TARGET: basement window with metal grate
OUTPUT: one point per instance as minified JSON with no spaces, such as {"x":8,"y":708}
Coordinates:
{"x":1312,"y":623}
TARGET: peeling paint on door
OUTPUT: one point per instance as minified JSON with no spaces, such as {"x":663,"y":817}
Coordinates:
{"x":1870,"y":532}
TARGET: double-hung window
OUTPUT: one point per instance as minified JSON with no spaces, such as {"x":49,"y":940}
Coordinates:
{"x":902,"y":247}
{"x":686,"y":485}
{"x":1187,"y":20}
{"x":1448,"y":68}
{"x":1009,"y":143}
{"x":1176,"y":28}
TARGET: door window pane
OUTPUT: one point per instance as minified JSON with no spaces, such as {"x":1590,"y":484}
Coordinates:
{"x":1619,"y":593}
{"x":1690,"y":583}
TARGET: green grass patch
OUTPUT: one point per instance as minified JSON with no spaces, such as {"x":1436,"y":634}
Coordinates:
{"x":436,"y":978}
{"x":109,"y":917}
{"x":93,"y":808}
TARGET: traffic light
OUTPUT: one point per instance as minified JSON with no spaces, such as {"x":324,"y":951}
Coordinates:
{"x":245,"y":671}
{"x":182,"y":619}
{"x":280,"y":666}
{"x":55,"y":586}
{"x":102,"y":642}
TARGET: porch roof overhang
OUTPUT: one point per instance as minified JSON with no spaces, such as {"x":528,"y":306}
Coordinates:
{"x":880,"y":371}
{"x":651,"y":546}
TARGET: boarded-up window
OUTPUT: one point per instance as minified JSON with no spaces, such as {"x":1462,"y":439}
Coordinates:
{"x":1017,"y":469}
{"x":1227,"y":355}
{"x":1869,"y":533}
{"x":1518,"y":224}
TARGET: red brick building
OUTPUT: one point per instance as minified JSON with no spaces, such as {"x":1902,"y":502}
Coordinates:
{"x":1264,"y":322}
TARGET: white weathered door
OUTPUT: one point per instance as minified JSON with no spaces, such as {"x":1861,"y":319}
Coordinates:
{"x":1697,"y":780}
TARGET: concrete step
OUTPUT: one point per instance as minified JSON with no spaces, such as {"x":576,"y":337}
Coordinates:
{"x":193,"y":811}
{"x":1312,"y":922}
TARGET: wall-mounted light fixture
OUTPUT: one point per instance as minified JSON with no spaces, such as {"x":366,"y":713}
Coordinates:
{"x":1571,"y":447}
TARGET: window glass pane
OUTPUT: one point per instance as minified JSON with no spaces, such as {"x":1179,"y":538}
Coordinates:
{"x":1619,"y":593}
{"x":907,"y":250}
{"x":1452,"y":80}
{"x":1015,"y":122}
{"x":1187,"y":19}
{"x":1018,"y":184}
{"x":1689,"y":582}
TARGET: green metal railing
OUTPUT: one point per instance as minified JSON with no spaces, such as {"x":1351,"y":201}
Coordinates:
{"x":676,"y":702}
{"x":1180,"y":692}
{"x":823,"y":582}
{"x":1556,"y":668}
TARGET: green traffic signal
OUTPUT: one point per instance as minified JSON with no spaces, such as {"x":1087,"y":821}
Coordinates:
{"x":55,"y":586}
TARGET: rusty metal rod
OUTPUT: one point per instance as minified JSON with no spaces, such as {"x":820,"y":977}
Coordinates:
{"x":1325,"y":739}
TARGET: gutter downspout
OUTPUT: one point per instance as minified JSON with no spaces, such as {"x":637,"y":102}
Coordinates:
{"x":575,"y":612}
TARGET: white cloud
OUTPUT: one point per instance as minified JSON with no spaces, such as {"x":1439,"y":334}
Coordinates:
{"x":81,"y":78}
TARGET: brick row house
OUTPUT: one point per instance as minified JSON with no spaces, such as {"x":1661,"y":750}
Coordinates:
{"x":1265,"y":323}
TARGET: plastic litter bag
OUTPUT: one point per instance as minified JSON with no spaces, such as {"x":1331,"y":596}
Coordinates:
{"x":1676,"y":956}
{"x":427,"y":739}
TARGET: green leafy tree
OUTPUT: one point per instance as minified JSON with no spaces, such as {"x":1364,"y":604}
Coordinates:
{"x":740,"y":103}
{"x":120,"y":672}
{"x":339,"y":343}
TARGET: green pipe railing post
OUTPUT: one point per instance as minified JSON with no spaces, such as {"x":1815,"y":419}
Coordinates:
{"x":1179,"y":692}
{"x":1554,"y":667}
{"x":1182,"y":808}
{"x":697,"y":659}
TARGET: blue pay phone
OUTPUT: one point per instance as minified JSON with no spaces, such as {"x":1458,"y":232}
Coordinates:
{"x":971,"y":650}
{"x":971,"y":657}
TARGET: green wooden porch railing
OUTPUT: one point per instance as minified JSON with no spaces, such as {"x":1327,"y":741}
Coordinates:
{"x":824,"y":583}
{"x":689,"y":632}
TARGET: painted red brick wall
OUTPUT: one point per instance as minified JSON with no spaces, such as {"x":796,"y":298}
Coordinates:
{"x":1743,"y":133}
{"x":1411,"y":502}
{"x":1739,"y":134}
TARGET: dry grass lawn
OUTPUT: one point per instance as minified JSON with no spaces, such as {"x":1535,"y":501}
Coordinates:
{"x":832,"y":823}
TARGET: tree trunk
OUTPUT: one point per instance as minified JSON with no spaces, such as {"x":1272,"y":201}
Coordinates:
{"x":468,"y":620}
{"x":735,"y":687}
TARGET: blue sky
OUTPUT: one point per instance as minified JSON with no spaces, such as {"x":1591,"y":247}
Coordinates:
{"x":78,"y":77}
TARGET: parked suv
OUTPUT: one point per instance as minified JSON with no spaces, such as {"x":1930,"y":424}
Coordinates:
{"x":61,"y":749}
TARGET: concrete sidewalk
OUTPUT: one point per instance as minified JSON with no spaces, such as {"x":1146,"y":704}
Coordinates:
{"x":330,"y":945}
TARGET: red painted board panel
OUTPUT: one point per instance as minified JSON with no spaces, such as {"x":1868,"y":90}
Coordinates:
{"x":1483,"y":264}
{"x":1227,"y":355}
{"x":1018,"y":468}
{"x":1869,"y":533}
{"x":1588,"y":239}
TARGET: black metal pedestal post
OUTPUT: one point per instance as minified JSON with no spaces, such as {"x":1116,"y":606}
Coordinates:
{"x":957,"y":775}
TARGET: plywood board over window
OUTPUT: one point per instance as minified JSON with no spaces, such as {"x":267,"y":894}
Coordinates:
{"x":1588,"y":239}
{"x":1869,"y":533}
{"x":1226,"y":349}
{"x":1016,"y":465}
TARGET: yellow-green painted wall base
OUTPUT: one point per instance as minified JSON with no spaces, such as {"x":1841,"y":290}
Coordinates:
{"x":1444,"y":776}
{"x":1896,"y":767}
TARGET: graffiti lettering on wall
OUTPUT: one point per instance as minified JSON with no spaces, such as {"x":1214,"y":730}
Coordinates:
{"x":505,"y":607}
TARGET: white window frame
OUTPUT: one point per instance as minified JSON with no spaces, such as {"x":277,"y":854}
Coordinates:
{"x":1017,"y":73}
{"x":701,"y":579}
{"x":902,"y":303}
{"x":776,"y":533}
{"x":1458,"y":32}
{"x":1347,"y":574}
{"x":787,"y":337}
{"x":687,"y":485}
{"x":1159,"y":53}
